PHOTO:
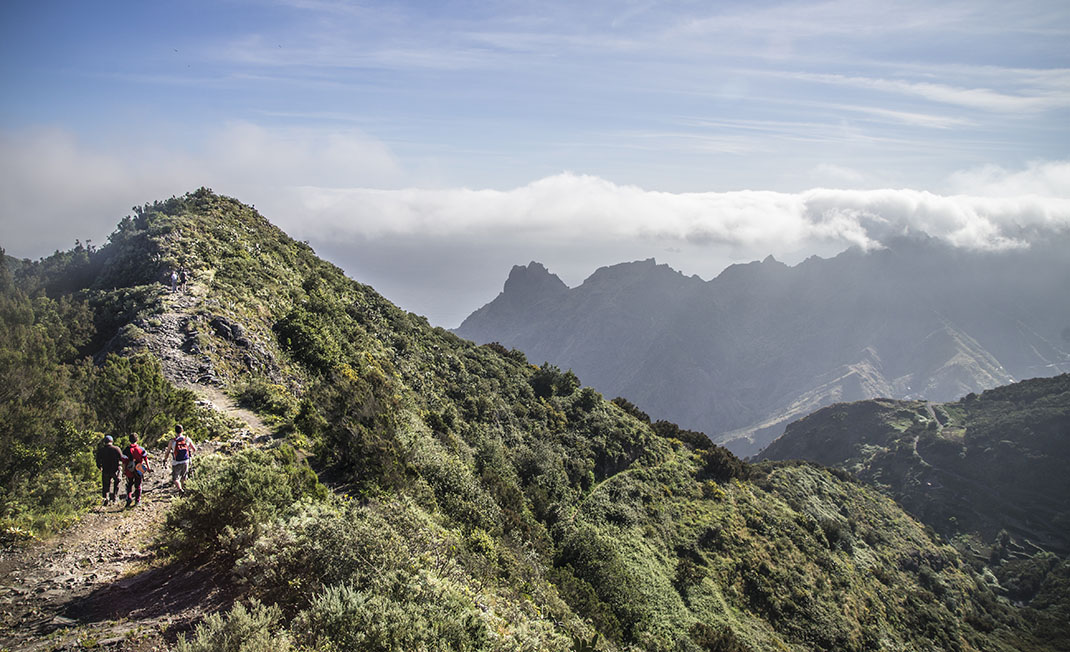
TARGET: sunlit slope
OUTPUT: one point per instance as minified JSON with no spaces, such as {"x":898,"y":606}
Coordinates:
{"x":475,"y":501}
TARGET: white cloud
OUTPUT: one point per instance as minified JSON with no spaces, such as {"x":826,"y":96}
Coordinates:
{"x":569,"y":207}
{"x":1048,"y":179}
{"x":55,"y":188}
{"x":1053,"y":94}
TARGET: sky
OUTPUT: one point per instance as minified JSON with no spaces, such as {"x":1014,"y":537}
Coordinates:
{"x":427,"y":147}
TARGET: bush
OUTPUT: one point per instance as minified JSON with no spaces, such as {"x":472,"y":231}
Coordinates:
{"x":548,"y":381}
{"x":261,"y":396}
{"x":255,"y":629}
{"x":401,"y":613}
{"x":132,"y":395}
{"x":718,"y":463}
{"x":714,"y":639}
{"x":230,"y":500}
{"x":352,"y":416}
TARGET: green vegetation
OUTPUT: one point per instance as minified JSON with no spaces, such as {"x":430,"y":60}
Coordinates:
{"x":436,"y":494}
{"x":987,"y":472}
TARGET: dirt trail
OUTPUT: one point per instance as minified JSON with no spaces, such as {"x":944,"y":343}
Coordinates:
{"x":101,"y":584}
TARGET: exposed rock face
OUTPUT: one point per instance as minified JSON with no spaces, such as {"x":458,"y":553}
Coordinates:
{"x":742,"y":355}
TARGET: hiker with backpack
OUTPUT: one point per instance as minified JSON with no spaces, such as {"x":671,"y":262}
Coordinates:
{"x":109,"y":459}
{"x":137,"y":465}
{"x":180,"y":450}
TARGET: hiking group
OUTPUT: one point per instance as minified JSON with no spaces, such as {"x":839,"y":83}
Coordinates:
{"x":179,"y":278}
{"x":133,"y":462}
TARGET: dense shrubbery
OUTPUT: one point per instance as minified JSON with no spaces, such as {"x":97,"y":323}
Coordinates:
{"x":267,"y":398}
{"x":257,"y":628}
{"x":549,"y":381}
{"x":499,"y":505}
{"x":232,"y":498}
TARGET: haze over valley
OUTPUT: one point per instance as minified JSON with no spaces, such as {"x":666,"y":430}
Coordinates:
{"x":570,"y":326}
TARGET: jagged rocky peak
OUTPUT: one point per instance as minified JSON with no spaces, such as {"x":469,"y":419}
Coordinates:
{"x":755,"y":269}
{"x":533,"y":278}
{"x":633,"y":271}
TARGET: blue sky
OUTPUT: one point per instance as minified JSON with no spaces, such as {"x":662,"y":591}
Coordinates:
{"x":427,"y":147}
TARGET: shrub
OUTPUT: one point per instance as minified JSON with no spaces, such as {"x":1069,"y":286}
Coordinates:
{"x":716,"y":639}
{"x":132,"y":395}
{"x":720,"y":464}
{"x":261,"y":396}
{"x":352,"y":415}
{"x":340,"y":542}
{"x":401,"y":613}
{"x":632,"y":409}
{"x":255,"y":629}
{"x":693,"y":438}
{"x":230,"y":499}
{"x":548,"y":381}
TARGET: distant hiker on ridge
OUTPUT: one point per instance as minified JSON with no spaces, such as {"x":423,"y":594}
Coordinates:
{"x":183,"y":276}
{"x":109,"y":460}
{"x":174,"y":280}
{"x":180,"y":450}
{"x":137,"y":464}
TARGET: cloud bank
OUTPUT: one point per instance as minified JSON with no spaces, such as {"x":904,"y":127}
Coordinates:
{"x":445,"y":251}
{"x":1006,"y":210}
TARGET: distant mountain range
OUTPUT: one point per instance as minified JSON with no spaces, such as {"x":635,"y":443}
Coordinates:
{"x":420,"y":491}
{"x":762,"y":344}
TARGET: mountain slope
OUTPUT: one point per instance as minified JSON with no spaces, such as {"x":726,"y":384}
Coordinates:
{"x":740,"y":356}
{"x":986,"y":471}
{"x":475,"y":501}
{"x":976,"y":466}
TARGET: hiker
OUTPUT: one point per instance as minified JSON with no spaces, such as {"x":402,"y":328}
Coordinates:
{"x":109,"y":460}
{"x":174,"y":280}
{"x":180,"y":450}
{"x":183,"y":276}
{"x":137,"y":464}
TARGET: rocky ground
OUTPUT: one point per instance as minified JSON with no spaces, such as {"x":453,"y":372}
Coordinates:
{"x":103,"y":584}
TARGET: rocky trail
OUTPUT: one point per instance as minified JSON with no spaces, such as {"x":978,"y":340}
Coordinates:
{"x":102,"y":584}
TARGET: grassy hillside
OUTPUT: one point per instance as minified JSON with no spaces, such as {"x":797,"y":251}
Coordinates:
{"x":987,"y":471}
{"x":428,"y":493}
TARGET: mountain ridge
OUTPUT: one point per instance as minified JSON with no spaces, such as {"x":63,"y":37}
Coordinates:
{"x":736,"y":356}
{"x":420,"y":491}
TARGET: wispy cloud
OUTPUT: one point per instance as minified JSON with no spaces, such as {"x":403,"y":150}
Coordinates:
{"x":1026,"y":100}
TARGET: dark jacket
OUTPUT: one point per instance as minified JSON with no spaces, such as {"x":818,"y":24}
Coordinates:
{"x":109,"y":458}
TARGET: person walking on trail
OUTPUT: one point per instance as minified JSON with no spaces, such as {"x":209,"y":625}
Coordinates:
{"x":137,"y":465}
{"x":180,"y":450}
{"x":174,"y":280}
{"x":183,"y":277}
{"x":109,"y":460}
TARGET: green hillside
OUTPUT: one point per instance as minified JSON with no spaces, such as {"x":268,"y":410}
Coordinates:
{"x":426,"y":493}
{"x":987,"y":471}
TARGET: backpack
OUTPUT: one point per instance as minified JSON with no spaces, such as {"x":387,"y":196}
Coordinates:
{"x":131,"y":466}
{"x":181,"y":449}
